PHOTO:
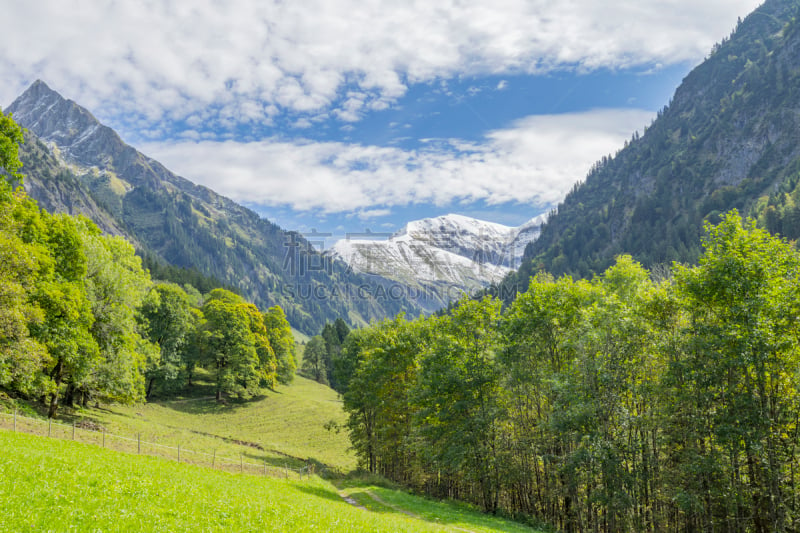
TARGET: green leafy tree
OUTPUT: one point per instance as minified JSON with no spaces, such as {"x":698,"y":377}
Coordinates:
{"x":346,"y":364}
{"x":460,"y":413}
{"x":10,"y":139}
{"x":315,"y":358}
{"x":334,"y":336}
{"x":22,"y":264}
{"x":21,"y":356}
{"x":116,"y":286}
{"x":605,"y":410}
{"x":65,"y":332}
{"x":67,"y":309}
{"x":282,"y":341}
{"x":736,"y":380}
{"x":267,"y":364}
{"x":360,"y":401}
{"x":194,"y":353}
{"x":229,"y":345}
{"x":538,"y":352}
{"x":378,"y":399}
{"x":167,"y":318}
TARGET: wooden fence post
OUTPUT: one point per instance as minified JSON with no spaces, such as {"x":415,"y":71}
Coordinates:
{"x":104,"y":437}
{"x":241,"y":463}
{"x":179,"y":453}
{"x":138,"y":443}
{"x":15,"y":420}
{"x":49,"y":426}
{"x":73,"y":430}
{"x":214,"y":459}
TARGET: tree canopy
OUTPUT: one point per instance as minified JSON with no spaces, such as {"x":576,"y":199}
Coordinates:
{"x":631,"y":402}
{"x":81,"y":320}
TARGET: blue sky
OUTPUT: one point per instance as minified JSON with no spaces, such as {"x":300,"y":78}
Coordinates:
{"x":343,"y":115}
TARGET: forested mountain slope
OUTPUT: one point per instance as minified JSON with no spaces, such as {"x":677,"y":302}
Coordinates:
{"x":187,"y":225}
{"x":730,"y":138}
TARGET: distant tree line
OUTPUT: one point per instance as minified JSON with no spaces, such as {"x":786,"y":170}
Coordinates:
{"x":81,"y":320}
{"x":637,"y":401}
{"x":322,"y":357}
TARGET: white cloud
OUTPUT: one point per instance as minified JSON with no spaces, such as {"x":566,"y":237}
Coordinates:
{"x":534,"y":161}
{"x":165,"y":61}
{"x":370,"y":214}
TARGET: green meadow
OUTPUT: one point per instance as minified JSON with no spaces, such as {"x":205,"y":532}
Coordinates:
{"x":60,"y":485}
{"x":285,"y":426}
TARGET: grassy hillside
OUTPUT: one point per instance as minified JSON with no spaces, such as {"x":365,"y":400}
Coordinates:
{"x":285,"y":427}
{"x":457,"y":516}
{"x":77,"y":485}
{"x":287,"y":422}
{"x":62,"y":485}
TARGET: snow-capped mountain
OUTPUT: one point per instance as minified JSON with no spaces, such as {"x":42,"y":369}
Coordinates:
{"x":444,"y":255}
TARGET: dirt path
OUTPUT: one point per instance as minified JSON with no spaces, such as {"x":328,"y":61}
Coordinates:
{"x":351,"y":501}
{"x":399,"y":509}
{"x":392,"y":506}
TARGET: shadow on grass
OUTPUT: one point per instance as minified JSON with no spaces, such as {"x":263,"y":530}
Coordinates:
{"x":443,"y":513}
{"x":320,"y":492}
{"x":282,"y":460}
{"x":207,"y":405}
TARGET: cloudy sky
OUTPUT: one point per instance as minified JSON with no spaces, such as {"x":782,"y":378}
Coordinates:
{"x":342,"y":115}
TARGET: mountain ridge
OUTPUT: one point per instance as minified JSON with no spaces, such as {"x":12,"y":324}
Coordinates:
{"x":445,"y":256}
{"x":188,"y":225}
{"x":728,"y":139}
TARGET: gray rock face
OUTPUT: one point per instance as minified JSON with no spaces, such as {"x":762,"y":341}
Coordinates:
{"x":58,"y":190}
{"x":82,"y":141}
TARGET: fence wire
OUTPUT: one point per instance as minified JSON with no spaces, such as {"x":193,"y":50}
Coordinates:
{"x":135,"y":445}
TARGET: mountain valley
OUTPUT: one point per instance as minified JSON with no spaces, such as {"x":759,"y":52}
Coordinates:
{"x":76,"y":165}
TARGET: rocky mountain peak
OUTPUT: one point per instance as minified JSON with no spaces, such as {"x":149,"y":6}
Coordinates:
{"x":83,"y":166}
{"x":81,"y":139}
{"x":443,"y":255}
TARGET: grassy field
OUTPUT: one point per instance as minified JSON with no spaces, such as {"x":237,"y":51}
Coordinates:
{"x":55,"y":485}
{"x":454,"y":515}
{"x":58,"y":483}
{"x":284,"y":426}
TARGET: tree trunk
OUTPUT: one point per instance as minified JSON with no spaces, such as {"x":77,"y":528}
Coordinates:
{"x":758,"y":507}
{"x":150,"y":388}
{"x":51,"y":412}
{"x":56,"y":375}
{"x":69,"y":395}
